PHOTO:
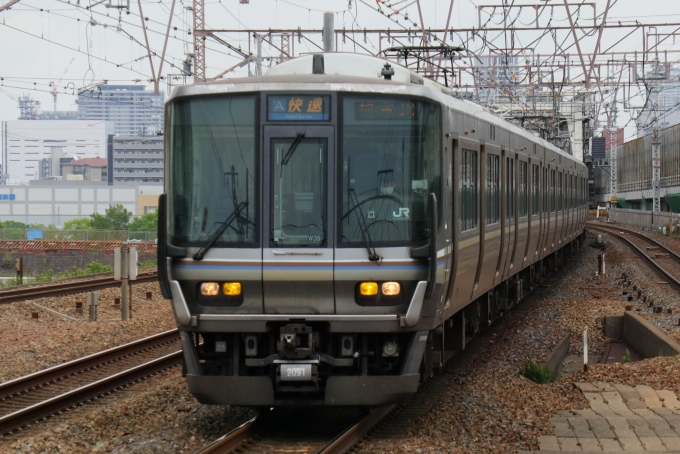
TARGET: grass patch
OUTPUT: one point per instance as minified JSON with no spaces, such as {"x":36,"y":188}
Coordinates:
{"x":147,"y":263}
{"x":595,"y":245}
{"x":538,"y":373}
{"x":626,"y":357}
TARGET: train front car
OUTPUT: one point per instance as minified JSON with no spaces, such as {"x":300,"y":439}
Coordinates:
{"x":296,"y":231}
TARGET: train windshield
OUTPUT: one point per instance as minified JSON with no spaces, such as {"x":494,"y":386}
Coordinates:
{"x":390,"y":164}
{"x":212,"y":170}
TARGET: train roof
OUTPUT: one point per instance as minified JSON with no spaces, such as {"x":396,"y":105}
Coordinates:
{"x":350,"y":68}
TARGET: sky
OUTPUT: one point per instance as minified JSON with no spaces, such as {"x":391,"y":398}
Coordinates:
{"x":61,"y":41}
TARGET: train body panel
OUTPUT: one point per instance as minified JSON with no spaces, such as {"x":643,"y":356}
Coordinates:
{"x":320,"y":230}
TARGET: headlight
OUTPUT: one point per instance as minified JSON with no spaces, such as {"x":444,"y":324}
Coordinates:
{"x":210,"y":288}
{"x":391,"y":288}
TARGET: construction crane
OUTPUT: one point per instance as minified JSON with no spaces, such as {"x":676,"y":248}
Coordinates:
{"x":54,"y":86}
{"x":10,"y":95}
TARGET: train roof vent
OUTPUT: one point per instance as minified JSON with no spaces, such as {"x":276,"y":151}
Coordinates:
{"x":317,"y":64}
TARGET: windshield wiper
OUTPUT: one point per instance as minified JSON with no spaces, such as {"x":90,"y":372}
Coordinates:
{"x":293,"y":147}
{"x":372,"y":255}
{"x":218,"y":233}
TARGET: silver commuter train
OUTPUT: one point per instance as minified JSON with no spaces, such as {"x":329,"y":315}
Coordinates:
{"x":295,"y":231}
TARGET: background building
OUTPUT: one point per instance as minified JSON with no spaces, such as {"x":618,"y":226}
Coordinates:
{"x":137,"y":159}
{"x":133,"y":110}
{"x":88,"y":169}
{"x":24,"y":144}
{"x":54,"y":202}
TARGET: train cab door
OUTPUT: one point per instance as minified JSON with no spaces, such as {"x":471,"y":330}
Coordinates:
{"x":298,"y":215}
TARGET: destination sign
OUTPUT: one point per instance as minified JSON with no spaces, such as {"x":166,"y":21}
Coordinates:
{"x":298,"y":108}
{"x":385,"y":110}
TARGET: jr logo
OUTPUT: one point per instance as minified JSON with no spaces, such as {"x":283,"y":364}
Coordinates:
{"x":402,"y":212}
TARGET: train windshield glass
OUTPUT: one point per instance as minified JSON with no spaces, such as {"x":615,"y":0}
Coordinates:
{"x":212,"y":169}
{"x":390,"y":164}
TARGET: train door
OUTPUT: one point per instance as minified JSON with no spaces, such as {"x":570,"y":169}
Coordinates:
{"x":298,"y":215}
{"x":468,"y":248}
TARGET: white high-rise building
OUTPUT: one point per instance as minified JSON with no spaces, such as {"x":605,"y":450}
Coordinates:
{"x":24,"y":144}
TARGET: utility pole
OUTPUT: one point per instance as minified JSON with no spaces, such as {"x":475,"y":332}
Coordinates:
{"x":656,"y":165}
{"x":125,"y":269}
{"x":612,"y":157}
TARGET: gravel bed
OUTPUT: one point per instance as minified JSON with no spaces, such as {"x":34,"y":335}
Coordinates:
{"x":488,"y":407}
{"x":28,"y":345}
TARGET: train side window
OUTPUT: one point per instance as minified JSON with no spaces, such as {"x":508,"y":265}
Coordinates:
{"x":523,"y":189}
{"x":492,"y":189}
{"x":510,"y":188}
{"x":559,"y":192}
{"x":552,"y":191}
{"x":534,"y":190}
{"x":468,"y":190}
{"x":571,"y":191}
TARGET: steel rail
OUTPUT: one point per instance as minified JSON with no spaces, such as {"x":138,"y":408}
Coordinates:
{"x":23,"y":294}
{"x":77,"y":396}
{"x":231,"y":440}
{"x":655,"y":266}
{"x":236,"y":438}
{"x":641,"y":236}
{"x":58,"y":372}
{"x":343,"y":442}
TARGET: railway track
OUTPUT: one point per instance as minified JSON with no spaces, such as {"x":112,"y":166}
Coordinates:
{"x":69,"y":288}
{"x":319,"y":430}
{"x":664,"y":261}
{"x":51,"y":391}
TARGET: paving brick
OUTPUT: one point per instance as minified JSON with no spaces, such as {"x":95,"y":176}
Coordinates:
{"x":566,"y":413}
{"x":586,"y":387}
{"x":587,"y":413}
{"x":645,"y":413}
{"x":641,"y":427}
{"x":615,"y":402}
{"x":670,"y":400}
{"x":652,"y":444}
{"x":601,"y":428}
{"x":630,"y":396}
{"x":620,"y":427}
{"x":548,"y":444}
{"x":603,"y":386}
{"x":671,"y":443}
{"x":610,"y":445}
{"x":649,"y":396}
{"x":673,"y":421}
{"x":568,"y":444}
{"x":631,"y":444}
{"x":661,"y":427}
{"x":589,"y":444}
{"x":561,"y":426}
{"x":596,"y":402}
{"x":581,"y":427}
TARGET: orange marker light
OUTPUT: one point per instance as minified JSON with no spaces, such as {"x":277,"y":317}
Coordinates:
{"x":368,"y":288}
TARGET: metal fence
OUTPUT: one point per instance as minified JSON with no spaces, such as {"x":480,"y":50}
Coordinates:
{"x":76,"y":235}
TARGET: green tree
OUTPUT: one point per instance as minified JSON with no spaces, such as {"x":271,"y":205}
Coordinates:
{"x":12,"y":225}
{"x":78,"y":224}
{"x":116,"y":217}
{"x":146,"y":223}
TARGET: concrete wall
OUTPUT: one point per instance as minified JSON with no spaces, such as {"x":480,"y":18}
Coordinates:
{"x":58,"y":262}
{"x":643,"y":219}
{"x":647,"y":339}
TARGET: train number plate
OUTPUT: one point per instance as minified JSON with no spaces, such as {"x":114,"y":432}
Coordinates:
{"x":296,"y":372}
